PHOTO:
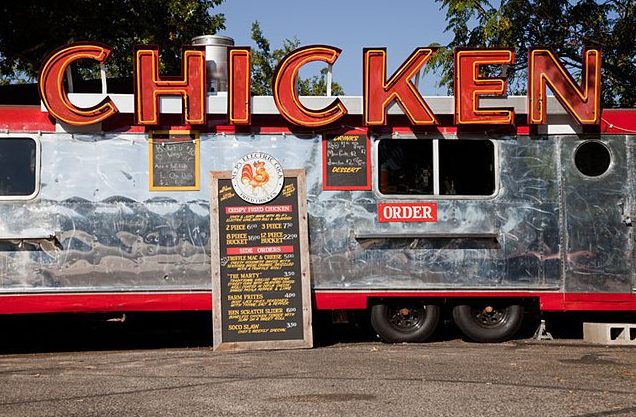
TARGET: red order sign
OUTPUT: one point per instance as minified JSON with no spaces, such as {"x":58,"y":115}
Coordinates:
{"x":407,"y":212}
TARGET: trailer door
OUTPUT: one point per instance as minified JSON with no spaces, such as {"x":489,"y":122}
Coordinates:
{"x":595,"y":230}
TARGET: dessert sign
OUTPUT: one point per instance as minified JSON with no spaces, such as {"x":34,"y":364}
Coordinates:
{"x":260,"y":258}
{"x":346,"y":162}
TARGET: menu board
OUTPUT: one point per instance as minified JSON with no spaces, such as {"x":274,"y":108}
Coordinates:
{"x":346,"y":162}
{"x":174,"y":161}
{"x":260,"y":267}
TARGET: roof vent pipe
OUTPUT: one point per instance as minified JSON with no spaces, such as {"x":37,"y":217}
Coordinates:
{"x":216,"y":60}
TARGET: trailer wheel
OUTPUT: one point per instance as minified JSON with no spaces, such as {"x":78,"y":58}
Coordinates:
{"x":405,"y":321}
{"x":488,"y":322}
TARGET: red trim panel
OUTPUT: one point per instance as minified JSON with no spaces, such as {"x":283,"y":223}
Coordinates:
{"x":33,"y":119}
{"x":323,"y":300}
{"x":618,"y":121}
{"x":588,"y":302}
{"x":25,"y":119}
{"x":360,"y":300}
{"x":548,"y":301}
{"x":104,"y":302}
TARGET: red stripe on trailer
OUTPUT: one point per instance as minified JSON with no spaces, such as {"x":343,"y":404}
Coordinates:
{"x":342,"y":300}
{"x":33,"y":119}
{"x":104,"y":302}
{"x":25,"y":119}
{"x":561,"y":302}
{"x":323,"y":300}
{"x":619,"y":121}
{"x":548,"y":301}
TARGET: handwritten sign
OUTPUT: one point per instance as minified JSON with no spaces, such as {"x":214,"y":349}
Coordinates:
{"x":346,"y":162}
{"x":260,"y":274}
{"x":174,"y":161}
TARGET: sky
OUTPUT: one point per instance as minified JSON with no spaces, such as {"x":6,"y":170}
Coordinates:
{"x":350,"y":25}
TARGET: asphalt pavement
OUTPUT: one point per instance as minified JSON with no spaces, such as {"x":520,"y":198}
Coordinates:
{"x":362,"y":377}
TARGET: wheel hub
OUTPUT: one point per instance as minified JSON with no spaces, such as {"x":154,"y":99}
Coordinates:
{"x":490,"y":316}
{"x":405,"y":318}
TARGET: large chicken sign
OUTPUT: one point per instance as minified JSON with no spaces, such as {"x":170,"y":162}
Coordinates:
{"x":380,"y":91}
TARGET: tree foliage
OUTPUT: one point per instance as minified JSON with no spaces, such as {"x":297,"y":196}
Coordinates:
{"x":31,"y":29}
{"x":564,"y":26}
{"x":264,"y":61}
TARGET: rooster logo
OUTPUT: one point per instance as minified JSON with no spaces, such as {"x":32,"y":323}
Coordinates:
{"x":257,"y":177}
{"x":254,"y":174}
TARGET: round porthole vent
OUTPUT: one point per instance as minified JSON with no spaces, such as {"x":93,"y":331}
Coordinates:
{"x":592,"y":158}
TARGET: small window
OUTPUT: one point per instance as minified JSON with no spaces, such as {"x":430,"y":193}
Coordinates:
{"x":18,"y":167}
{"x":466,"y":167}
{"x":436,"y":167}
{"x":406,"y":166}
{"x":592,"y":159}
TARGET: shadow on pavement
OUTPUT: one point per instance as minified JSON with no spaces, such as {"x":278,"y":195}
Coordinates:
{"x":87,"y":332}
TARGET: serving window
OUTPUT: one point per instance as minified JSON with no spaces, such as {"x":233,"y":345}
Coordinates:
{"x":19,"y":163}
{"x":436,"y":167}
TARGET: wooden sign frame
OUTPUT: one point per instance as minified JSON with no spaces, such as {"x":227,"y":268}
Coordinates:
{"x":197,"y":159}
{"x":217,"y":331}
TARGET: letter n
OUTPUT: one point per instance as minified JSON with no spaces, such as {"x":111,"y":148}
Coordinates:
{"x":582,"y":102}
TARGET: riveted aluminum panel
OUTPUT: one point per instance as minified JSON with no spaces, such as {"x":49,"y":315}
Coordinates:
{"x":598,"y":247}
{"x":113,"y":234}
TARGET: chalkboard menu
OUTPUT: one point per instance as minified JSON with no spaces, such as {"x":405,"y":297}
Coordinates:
{"x":346,"y":162}
{"x":174,"y":161}
{"x":260,"y":267}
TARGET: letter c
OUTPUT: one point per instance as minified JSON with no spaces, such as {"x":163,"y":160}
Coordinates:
{"x":52,"y":91}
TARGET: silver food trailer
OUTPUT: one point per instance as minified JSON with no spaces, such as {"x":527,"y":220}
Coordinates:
{"x":490,"y":222}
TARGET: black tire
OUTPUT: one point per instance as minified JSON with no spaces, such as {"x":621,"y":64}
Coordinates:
{"x":488,"y":322}
{"x":399,"y":322}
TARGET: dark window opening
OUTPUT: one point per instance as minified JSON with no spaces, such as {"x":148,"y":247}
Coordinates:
{"x":592,"y":159}
{"x":405,"y":166}
{"x":466,"y":167}
{"x":17,"y":167}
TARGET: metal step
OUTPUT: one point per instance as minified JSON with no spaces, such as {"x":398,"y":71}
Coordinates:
{"x":610,"y":333}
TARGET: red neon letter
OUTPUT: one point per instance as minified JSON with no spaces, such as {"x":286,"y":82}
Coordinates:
{"x":149,"y":86}
{"x":379,"y":93}
{"x":238,"y":98}
{"x":51,"y":85}
{"x":583,"y":103}
{"x":469,"y":86}
{"x":286,"y":94}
